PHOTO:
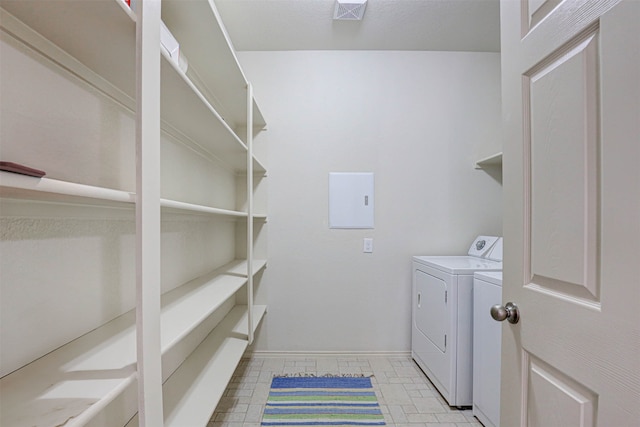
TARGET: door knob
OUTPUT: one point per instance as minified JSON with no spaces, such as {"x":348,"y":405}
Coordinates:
{"x":509,"y":312}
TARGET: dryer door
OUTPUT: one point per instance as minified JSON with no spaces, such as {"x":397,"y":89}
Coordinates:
{"x":432,"y":314}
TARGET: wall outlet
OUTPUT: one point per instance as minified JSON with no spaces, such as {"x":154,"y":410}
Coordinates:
{"x":368,"y":245}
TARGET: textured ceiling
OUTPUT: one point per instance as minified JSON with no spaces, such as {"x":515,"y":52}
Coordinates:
{"x":449,"y":25}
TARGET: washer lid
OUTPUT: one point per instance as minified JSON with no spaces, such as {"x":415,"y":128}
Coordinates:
{"x":495,"y":253}
{"x":459,"y":264}
{"x":494,"y":277}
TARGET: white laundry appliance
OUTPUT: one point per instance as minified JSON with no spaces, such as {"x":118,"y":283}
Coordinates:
{"x":487,"y":346}
{"x":442,"y":316}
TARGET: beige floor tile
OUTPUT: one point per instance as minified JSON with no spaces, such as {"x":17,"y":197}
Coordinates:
{"x":260,"y":393}
{"x":406,"y":396}
{"x":380,"y":378}
{"x":265,"y":377}
{"x":451,"y":418}
{"x":422,"y":418}
{"x":350,"y":370}
{"x":410,"y":409}
{"x":327,"y":366}
{"x":406,"y":371}
{"x":229,"y":417}
{"x":397,"y":414}
{"x":414,"y":386}
{"x":254,"y":413}
{"x":470,"y":423}
{"x":395,"y":394}
{"x":429,"y":405}
{"x":225,"y":424}
{"x":415,"y":393}
{"x":380,"y":364}
{"x":273,"y":364}
{"x":429,"y":393}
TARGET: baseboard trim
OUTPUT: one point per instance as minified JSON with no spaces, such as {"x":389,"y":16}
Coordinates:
{"x":317,"y":354}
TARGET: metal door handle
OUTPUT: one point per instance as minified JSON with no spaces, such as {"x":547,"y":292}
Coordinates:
{"x":509,"y":312}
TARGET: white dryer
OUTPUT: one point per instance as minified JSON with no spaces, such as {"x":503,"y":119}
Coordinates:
{"x":442,"y":316}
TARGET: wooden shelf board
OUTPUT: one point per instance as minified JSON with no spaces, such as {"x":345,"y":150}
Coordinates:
{"x":239,"y":267}
{"x":99,"y":34}
{"x":187,"y":306}
{"x":490,"y":161}
{"x":259,"y":312}
{"x":192,"y":392}
{"x":184,"y":108}
{"x":73,"y":382}
{"x":183,"y":207}
{"x":81,"y":377}
{"x":241,"y":327}
{"x":259,"y":264}
{"x":18,"y":186}
{"x":221,"y":73}
{"x":259,"y":122}
{"x":258,"y":167}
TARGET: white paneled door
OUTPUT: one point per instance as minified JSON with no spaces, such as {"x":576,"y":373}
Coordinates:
{"x":571,"y":111}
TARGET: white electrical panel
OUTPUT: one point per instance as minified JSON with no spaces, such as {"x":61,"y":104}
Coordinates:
{"x":351,"y":199}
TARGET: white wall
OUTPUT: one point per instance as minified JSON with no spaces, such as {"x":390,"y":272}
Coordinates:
{"x":418,"y":120}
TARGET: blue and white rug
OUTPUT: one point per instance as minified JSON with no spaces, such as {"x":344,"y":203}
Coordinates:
{"x":322,"y":401}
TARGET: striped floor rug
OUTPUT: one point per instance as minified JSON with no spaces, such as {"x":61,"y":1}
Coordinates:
{"x":322,"y":401}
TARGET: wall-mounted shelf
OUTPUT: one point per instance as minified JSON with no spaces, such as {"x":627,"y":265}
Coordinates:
{"x":221,"y":74}
{"x":490,"y":161}
{"x":46,"y":189}
{"x":101,"y":365}
{"x":16,"y":186}
{"x":100,"y":35}
{"x":181,"y":207}
{"x":189,"y":403}
{"x":186,"y":109}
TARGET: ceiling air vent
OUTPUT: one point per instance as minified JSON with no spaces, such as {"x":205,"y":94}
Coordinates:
{"x":349,"y":10}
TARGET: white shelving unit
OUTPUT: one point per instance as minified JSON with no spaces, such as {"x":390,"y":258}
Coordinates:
{"x":208,"y":118}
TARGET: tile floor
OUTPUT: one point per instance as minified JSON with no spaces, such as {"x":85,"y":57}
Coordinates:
{"x":405,"y":395}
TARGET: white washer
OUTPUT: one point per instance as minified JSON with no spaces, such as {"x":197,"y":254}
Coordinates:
{"x":487,"y":345}
{"x":442,"y":316}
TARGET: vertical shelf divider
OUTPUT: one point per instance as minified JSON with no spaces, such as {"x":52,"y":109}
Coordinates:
{"x":250,"y":211}
{"x":148,"y":260}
